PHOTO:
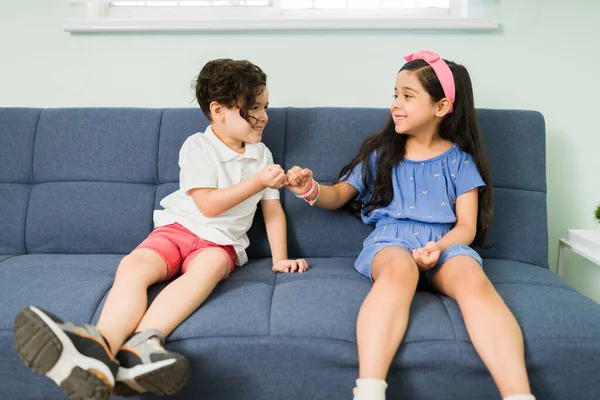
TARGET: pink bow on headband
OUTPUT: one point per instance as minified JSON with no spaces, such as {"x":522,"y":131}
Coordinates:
{"x":441,"y":69}
{"x":425,"y":55}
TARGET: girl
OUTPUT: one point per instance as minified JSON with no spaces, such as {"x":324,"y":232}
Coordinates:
{"x":424,"y":183}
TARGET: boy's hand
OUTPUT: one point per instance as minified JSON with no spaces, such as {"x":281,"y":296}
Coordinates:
{"x":299,"y":180}
{"x":272,"y":176}
{"x":290,"y":266}
{"x":426,"y":257}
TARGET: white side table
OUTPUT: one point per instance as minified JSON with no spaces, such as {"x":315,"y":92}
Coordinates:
{"x":585,"y":242}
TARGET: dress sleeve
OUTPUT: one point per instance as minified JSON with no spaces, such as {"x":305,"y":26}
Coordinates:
{"x":355,"y":177}
{"x":468,"y":176}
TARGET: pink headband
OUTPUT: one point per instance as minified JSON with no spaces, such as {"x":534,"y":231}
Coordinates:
{"x":441,"y":69}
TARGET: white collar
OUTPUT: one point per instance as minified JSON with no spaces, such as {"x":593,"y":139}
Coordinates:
{"x":224,"y":153}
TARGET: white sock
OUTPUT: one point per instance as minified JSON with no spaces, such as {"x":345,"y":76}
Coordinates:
{"x":370,"y":389}
{"x":520,"y":397}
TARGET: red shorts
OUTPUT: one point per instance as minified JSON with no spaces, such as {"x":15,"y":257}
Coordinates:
{"x":178,"y":247}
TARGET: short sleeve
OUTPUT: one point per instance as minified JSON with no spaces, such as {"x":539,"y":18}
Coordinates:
{"x":195,"y":168}
{"x":468,"y":176}
{"x":268,"y":193}
{"x":355,"y":177}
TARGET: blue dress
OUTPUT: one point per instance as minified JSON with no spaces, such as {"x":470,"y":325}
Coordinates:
{"x":422,"y":209}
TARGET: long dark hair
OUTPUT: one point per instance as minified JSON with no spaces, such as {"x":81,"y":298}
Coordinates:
{"x":459,"y":127}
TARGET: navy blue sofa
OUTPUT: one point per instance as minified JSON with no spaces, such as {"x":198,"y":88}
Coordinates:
{"x":77,"y":191}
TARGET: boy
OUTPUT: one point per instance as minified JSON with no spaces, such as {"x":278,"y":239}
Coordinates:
{"x":200,"y":235}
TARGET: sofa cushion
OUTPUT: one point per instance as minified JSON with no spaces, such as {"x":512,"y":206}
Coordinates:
{"x":14,"y":198}
{"x":17,"y":134}
{"x":507,"y":133}
{"x":100,"y":144}
{"x":545,"y":306}
{"x":314,"y":232}
{"x":70,"y":285}
{"x":282,"y":320}
{"x":514,"y":229}
{"x":502,"y":272}
{"x":89,"y":217}
{"x":323,"y":303}
{"x":261,"y":303}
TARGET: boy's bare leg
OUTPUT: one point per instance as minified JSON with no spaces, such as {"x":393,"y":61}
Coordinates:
{"x":184,"y":295}
{"x":128,"y":299}
{"x":145,"y":365}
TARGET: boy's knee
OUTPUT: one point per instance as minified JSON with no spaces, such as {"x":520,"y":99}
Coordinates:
{"x":213,"y":261}
{"x":142,"y":268}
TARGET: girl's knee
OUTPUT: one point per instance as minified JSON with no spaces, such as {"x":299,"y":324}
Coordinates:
{"x":400,"y":272}
{"x":474,"y":282}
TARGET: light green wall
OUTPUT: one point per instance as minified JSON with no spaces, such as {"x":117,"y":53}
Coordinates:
{"x":545,"y":58}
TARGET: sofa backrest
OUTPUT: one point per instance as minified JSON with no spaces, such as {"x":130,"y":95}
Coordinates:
{"x":86,"y":180}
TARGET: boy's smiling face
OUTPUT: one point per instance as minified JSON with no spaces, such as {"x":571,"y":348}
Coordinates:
{"x":234,"y":130}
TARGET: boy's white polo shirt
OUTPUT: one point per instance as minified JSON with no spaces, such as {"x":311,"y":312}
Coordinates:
{"x":206,"y":162}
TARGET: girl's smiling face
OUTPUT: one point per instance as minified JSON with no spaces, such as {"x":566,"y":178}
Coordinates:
{"x":413,"y":110}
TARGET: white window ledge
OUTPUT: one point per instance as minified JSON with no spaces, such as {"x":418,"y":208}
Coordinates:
{"x":108,"y":25}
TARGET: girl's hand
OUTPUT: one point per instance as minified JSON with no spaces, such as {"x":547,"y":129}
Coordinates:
{"x":290,"y":266}
{"x":426,"y":257}
{"x":299,"y":180}
{"x":272,"y":176}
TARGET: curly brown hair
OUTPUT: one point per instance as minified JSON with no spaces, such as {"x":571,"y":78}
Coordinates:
{"x":232,"y":83}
